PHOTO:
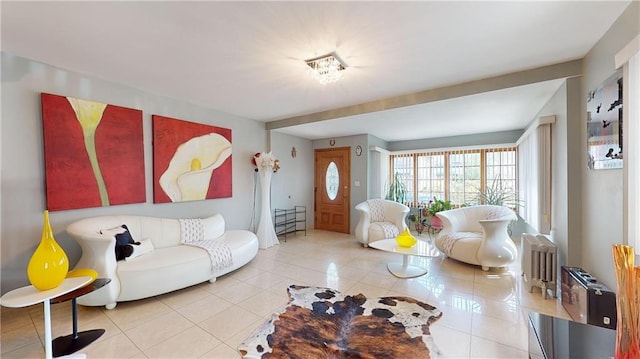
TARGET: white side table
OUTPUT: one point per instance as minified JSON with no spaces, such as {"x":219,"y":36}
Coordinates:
{"x":29,"y":295}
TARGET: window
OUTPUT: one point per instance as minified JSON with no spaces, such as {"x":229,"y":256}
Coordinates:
{"x":500,"y":183}
{"x":332,"y":180}
{"x":403,"y":171}
{"x":430,"y":178}
{"x":460,"y":176}
{"x":464,"y":177}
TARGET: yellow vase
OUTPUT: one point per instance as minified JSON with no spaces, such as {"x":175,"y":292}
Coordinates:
{"x":405,"y":239}
{"x":49,"y":264}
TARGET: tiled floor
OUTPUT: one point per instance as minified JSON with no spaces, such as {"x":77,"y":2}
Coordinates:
{"x":484,"y":312}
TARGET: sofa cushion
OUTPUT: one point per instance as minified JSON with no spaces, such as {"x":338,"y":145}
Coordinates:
{"x":382,"y":230}
{"x":447,"y":241}
{"x":145,"y":246}
{"x":376,"y":208}
{"x":163,"y":270}
{"x":199,"y":229}
{"x":123,"y":248}
{"x":213,"y":227}
{"x":125,"y":237}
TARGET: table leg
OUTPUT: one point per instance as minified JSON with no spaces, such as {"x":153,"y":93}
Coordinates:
{"x":74,"y":316}
{"x":72,"y":343}
{"x":405,"y":270}
{"x":48,"y":350}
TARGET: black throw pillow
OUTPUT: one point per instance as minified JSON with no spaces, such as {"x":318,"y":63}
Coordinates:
{"x":123,"y":244}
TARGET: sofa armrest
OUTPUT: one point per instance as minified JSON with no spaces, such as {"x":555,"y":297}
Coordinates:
{"x":396,"y":213}
{"x":496,"y":220}
{"x":362,"y":229}
{"x":98,"y":253}
{"x":452,"y":220}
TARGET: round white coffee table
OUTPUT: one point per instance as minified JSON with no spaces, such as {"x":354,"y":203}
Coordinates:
{"x":404,"y":269}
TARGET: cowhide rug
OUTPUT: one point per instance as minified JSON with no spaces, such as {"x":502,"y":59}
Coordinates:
{"x":323,"y":323}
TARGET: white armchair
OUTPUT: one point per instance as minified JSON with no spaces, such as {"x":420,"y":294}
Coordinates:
{"x":380,"y":219}
{"x":478,"y":235}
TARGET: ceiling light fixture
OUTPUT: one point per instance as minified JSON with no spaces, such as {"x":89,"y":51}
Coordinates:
{"x":327,"y":68}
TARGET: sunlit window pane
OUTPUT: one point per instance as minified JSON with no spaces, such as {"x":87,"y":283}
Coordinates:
{"x":332,"y":180}
{"x":500,"y":181}
{"x":430,"y":182}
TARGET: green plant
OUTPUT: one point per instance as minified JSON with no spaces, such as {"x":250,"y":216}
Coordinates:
{"x":397,"y":189}
{"x":495,"y":194}
{"x":417,"y":218}
{"x":438,"y":205}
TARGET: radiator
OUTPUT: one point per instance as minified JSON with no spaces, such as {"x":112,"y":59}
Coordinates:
{"x":539,"y":263}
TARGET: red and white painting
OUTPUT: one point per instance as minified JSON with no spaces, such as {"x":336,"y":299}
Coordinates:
{"x":93,"y":153}
{"x":191,"y":161}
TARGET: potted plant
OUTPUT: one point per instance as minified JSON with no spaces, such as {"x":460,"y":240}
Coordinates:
{"x":397,"y":189}
{"x":499,"y":196}
{"x":435,"y":206}
{"x":418,"y":221}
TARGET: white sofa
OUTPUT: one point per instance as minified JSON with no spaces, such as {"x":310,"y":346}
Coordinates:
{"x":478,"y":235}
{"x":380,"y":219}
{"x":169,"y":266}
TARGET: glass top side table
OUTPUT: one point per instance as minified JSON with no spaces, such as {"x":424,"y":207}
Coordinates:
{"x":71,"y":343}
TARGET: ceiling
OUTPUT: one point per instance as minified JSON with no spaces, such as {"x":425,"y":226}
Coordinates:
{"x":247,"y":58}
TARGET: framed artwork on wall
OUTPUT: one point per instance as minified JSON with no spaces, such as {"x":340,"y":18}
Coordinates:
{"x":604,"y":124}
{"x":93,"y":152}
{"x":191,"y":161}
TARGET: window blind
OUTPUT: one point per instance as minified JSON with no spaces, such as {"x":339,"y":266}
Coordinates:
{"x":458,"y":175}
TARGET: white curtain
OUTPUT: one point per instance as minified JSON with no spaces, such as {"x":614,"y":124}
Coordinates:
{"x":534,"y":175}
{"x":380,"y":172}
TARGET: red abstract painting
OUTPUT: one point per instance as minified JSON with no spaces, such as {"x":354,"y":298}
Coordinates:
{"x":191,"y":161}
{"x":93,"y":153}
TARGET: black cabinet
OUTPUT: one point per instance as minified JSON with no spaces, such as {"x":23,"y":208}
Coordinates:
{"x":291,"y":220}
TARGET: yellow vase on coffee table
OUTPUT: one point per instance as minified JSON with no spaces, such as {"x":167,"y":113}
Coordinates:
{"x":406,"y":240}
{"x":49,"y":264}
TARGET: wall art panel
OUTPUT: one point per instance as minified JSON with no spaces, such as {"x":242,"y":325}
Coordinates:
{"x":604,"y":124}
{"x":94,"y":153}
{"x":191,"y":161}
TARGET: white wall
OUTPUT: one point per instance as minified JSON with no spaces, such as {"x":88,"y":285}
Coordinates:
{"x":23,"y":181}
{"x":292,"y":185}
{"x":602,"y":191}
{"x":565,"y":209}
